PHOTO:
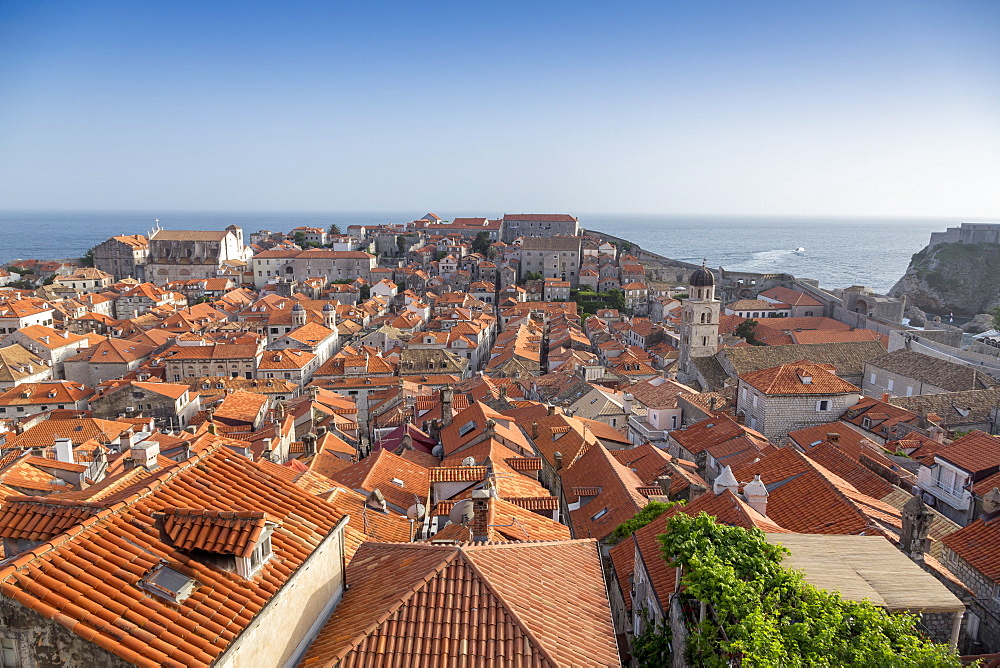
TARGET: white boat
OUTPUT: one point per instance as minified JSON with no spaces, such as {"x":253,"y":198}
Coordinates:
{"x":800,"y":249}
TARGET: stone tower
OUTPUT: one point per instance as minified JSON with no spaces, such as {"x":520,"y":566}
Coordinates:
{"x":330,"y":317}
{"x":699,"y":328}
{"x":298,"y":315}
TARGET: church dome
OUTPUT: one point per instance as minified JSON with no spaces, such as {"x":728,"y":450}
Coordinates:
{"x":702,"y":278}
{"x":298,"y":307}
{"x":327,"y":308}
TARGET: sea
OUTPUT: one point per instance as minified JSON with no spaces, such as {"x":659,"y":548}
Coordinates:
{"x":838,"y":252}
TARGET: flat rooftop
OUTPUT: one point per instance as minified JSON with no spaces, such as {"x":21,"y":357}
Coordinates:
{"x":866,"y":567}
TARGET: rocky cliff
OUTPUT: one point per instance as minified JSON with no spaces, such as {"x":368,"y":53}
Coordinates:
{"x":959,"y":278}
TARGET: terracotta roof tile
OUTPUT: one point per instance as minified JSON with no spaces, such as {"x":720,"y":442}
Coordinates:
{"x":802,"y":377}
{"x":401,"y":608}
{"x":91,"y":577}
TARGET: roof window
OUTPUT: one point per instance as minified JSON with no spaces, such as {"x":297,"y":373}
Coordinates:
{"x":600,"y":514}
{"x":169,"y":584}
{"x":467,"y":427}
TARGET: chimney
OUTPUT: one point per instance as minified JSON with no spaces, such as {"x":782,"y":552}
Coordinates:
{"x":125,"y":440}
{"x":64,"y":450}
{"x":558,"y":457}
{"x":145,"y":453}
{"x":885,"y":397}
{"x":756,"y":495}
{"x":491,"y":429}
{"x":534,"y":431}
{"x":320,"y":431}
{"x":446,"y":410}
{"x":479,"y":527}
{"x":212,"y":429}
{"x":627,"y":403}
{"x":833,"y":438}
{"x":502,"y":391}
{"x":726,"y":480}
{"x":550,"y":409}
{"x":663,"y":482}
{"x":712,"y":403}
{"x":376,"y":501}
{"x":991,"y":505}
{"x":916,"y":523}
{"x":308,"y":444}
{"x":701,"y":464}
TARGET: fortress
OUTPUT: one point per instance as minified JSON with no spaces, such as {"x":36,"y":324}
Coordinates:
{"x":968,"y":233}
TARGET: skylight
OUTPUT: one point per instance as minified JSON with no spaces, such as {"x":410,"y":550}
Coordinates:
{"x":467,"y":427}
{"x":602,"y":513}
{"x":169,"y":584}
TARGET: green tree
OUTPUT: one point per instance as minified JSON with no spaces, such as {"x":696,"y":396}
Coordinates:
{"x":365,"y":292}
{"x":481,"y":244}
{"x":995,"y":312}
{"x":650,"y":512}
{"x":334,"y":229}
{"x":615,"y":299}
{"x":88,"y":258}
{"x":401,"y":244}
{"x":747,"y":330}
{"x":763,"y":614}
{"x":533,"y":276}
{"x":300,"y":239}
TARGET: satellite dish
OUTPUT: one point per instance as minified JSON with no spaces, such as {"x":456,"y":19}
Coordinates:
{"x":469,"y":461}
{"x":438,"y":450}
{"x":416,"y":511}
{"x":462,"y":512}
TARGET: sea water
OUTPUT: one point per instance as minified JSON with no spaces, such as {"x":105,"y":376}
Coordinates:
{"x":838,"y":252}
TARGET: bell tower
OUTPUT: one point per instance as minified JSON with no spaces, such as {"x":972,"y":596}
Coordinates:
{"x":699,"y":328}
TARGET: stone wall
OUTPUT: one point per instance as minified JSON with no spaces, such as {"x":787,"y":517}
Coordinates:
{"x":938,"y":625}
{"x":43,"y":643}
{"x":776,"y":415}
{"x":984,"y":604}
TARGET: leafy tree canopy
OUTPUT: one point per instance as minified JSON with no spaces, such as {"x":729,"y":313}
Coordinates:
{"x":650,"y":512}
{"x":481,"y":244}
{"x":763,"y":614}
{"x":334,"y":229}
{"x":747,"y":330}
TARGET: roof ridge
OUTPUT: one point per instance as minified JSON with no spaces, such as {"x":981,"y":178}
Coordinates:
{"x":510,"y":611}
{"x":360,"y":637}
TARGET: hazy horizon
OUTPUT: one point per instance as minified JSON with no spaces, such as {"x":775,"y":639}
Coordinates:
{"x":778,"y":108}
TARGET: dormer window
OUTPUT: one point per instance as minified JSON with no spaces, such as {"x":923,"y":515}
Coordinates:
{"x":231,"y":541}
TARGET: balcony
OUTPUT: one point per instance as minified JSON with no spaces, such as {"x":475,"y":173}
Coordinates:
{"x":646,"y":431}
{"x":959,"y":499}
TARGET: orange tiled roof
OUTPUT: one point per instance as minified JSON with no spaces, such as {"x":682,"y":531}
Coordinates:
{"x":90,"y":579}
{"x":977,"y":544}
{"x":976,"y":451}
{"x":40,"y":518}
{"x":380,"y":470}
{"x":528,"y":604}
{"x":792,"y":379}
{"x":221,"y":532}
{"x":618,"y":498}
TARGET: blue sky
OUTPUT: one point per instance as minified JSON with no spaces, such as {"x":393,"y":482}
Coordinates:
{"x":832,"y":108}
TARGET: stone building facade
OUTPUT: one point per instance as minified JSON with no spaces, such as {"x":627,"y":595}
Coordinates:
{"x":298,"y":265}
{"x":538,"y":225}
{"x":122,"y":256}
{"x":180,"y":255}
{"x":792,"y":396}
{"x":552,"y":257}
